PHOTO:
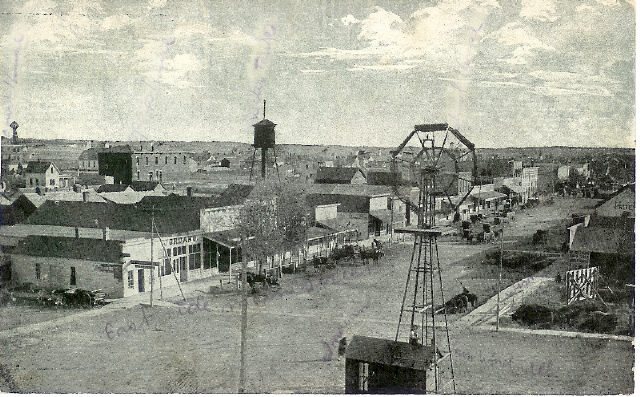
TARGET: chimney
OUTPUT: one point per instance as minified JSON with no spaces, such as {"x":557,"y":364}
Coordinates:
{"x":77,"y":232}
{"x":106,"y":233}
{"x":189,"y":191}
{"x":85,"y":196}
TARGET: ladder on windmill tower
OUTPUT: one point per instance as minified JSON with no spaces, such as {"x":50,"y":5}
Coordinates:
{"x":423,"y":297}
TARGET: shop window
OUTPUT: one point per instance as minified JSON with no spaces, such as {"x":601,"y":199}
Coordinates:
{"x":194,"y":256}
{"x":37,"y":271}
{"x":130,"y":279}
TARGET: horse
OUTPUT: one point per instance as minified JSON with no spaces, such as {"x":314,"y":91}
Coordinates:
{"x":374,"y":254}
{"x":265,"y":280}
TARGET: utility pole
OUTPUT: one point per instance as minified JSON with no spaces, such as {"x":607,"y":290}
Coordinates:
{"x":499,"y":281}
{"x":243,"y":320}
{"x":151,"y":268}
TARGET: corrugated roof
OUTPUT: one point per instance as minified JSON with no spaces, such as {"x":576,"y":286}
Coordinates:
{"x":388,"y":352}
{"x":69,"y":247}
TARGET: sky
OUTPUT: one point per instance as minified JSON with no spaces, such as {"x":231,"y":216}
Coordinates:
{"x":504,"y":73}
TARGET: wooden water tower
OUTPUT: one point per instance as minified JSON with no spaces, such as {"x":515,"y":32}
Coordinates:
{"x":264,"y":138}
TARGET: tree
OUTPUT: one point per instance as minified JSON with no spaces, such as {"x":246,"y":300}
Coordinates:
{"x":273,"y":221}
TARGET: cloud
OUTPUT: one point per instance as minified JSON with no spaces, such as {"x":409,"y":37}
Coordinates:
{"x":156,"y":4}
{"x":349,"y":20}
{"x":439,"y":36}
{"x":119,"y":21}
{"x":523,"y":43}
{"x":539,"y":10}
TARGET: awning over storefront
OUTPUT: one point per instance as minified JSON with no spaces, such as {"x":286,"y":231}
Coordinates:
{"x":513,"y":188}
{"x":383,"y":215}
{"x":489,"y":195}
{"x":227,"y":238}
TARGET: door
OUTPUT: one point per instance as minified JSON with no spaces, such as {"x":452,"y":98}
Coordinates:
{"x":140,"y":280}
{"x":183,"y":268}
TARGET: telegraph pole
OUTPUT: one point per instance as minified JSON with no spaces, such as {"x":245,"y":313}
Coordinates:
{"x":499,"y":281}
{"x":151,"y":268}
{"x":243,"y":320}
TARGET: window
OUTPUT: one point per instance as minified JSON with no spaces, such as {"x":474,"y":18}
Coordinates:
{"x":137,"y":160}
{"x":150,"y":175}
{"x":52,"y":170}
{"x":52,"y":182}
{"x":146,"y":160}
{"x":175,"y":159}
{"x":363,"y":376}
{"x":156,"y":160}
{"x":130,"y":279}
{"x":166,"y":159}
{"x":37,"y":182}
{"x":30,"y":181}
{"x":194,"y":256}
{"x":175,"y":251}
{"x":138,"y":175}
{"x":37,"y":271}
{"x":72,"y":278}
{"x":184,"y":159}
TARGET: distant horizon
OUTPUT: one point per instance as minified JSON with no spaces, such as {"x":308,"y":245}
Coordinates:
{"x":304,"y":144}
{"x":504,"y":73}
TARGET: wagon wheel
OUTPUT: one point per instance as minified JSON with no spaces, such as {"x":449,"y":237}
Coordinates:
{"x":446,"y":156}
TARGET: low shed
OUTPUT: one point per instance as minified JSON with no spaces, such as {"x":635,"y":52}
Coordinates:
{"x":381,"y":366}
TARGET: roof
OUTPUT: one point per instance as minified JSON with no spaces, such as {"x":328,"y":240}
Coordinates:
{"x":70,"y":247}
{"x":173,"y":214}
{"x":235,"y":194}
{"x":337,"y":174}
{"x":89,"y":154}
{"x":345,"y":221}
{"x":488,"y":195}
{"x":140,"y":186}
{"x":388,"y":352}
{"x":350,"y":190}
{"x":604,"y":240}
{"x":384,"y":177}
{"x":117,"y":149}
{"x":21,"y":230}
{"x":35,"y":198}
{"x":265,"y":122}
{"x":91,"y":196}
{"x":126,"y":197}
{"x":38,"y":167}
{"x":112,"y":187}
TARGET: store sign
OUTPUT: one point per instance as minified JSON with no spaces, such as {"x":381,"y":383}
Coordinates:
{"x":183,"y":240}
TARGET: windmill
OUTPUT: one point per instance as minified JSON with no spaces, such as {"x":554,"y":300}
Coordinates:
{"x":431,"y":158}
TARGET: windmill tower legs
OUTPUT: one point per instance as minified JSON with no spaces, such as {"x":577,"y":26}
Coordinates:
{"x":424,"y":298}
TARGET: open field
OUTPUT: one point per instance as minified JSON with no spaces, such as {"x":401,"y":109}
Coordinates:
{"x":293,"y":335}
